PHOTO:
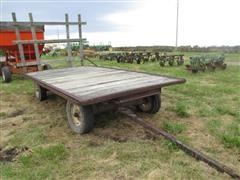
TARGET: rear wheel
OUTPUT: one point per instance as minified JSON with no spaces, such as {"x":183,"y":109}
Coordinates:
{"x":80,"y":118}
{"x":180,"y":62}
{"x":171,"y":62}
{"x":151,"y":104}
{"x":6,"y":74}
{"x":40,"y":92}
{"x":46,"y":67}
{"x":194,"y":71}
{"x":162,"y":63}
{"x":223,"y":66}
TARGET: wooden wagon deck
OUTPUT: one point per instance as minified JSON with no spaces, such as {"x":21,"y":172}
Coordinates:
{"x":91,"y":85}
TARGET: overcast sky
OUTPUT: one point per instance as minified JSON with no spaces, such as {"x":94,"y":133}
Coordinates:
{"x":142,"y":22}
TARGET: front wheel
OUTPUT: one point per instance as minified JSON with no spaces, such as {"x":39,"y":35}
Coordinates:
{"x":40,"y":92}
{"x":80,"y":118}
{"x":171,"y":62}
{"x":6,"y":74}
{"x":151,"y":104}
{"x":46,"y":67}
{"x":162,"y":63}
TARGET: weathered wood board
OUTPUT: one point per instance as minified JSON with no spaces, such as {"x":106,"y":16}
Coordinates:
{"x":90,"y":85}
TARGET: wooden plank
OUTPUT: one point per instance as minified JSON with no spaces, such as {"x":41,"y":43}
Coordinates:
{"x":72,"y":78}
{"x":34,"y":37}
{"x":80,"y":37}
{"x":97,"y":89}
{"x":69,"y":59}
{"x":62,"y":72}
{"x":79,"y":72}
{"x":130,"y":83}
{"x":98,"y":77}
{"x":84,"y":75}
{"x":117,"y":86}
{"x":20,"y":46}
{"x":64,"y":76}
{"x":94,"y":83}
{"x":21,"y":28}
{"x":26,"y":64}
{"x":40,"y":23}
{"x":93,"y":77}
{"x":47,"y":41}
{"x":109,"y":94}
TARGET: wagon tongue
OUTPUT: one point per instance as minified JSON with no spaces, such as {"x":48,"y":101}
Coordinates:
{"x":190,"y":151}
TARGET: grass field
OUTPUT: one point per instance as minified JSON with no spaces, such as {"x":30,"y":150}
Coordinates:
{"x":203,"y":112}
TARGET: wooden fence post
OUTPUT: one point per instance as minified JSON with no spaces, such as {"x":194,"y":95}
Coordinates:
{"x":81,"y":41}
{"x":68,"y":43}
{"x":20,"y":46}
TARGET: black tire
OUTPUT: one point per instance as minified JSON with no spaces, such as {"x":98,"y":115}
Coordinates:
{"x":1,"y":65}
{"x":194,"y":71}
{"x":179,"y":63}
{"x":211,"y":67}
{"x":6,"y":74}
{"x":171,"y":62}
{"x":162,"y":63}
{"x":151,"y":105}
{"x":47,"y":67}
{"x":40,"y":92}
{"x":80,"y":118}
{"x":223,"y":66}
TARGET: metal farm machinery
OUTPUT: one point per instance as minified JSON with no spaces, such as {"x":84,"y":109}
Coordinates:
{"x":12,"y":62}
{"x":22,"y":44}
{"x":206,"y":62}
{"x":143,"y":57}
{"x":170,"y":59}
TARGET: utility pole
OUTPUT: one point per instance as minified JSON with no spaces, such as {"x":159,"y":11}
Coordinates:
{"x":176,"y":45}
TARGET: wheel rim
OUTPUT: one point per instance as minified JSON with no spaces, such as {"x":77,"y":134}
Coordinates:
{"x":37,"y":92}
{"x":3,"y":76}
{"x":147,"y":105}
{"x":76,"y":115}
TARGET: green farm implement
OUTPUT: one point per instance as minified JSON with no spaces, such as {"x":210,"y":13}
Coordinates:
{"x":206,"y":62}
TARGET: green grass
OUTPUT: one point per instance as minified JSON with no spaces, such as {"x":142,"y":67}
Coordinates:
{"x":173,"y":127}
{"x":27,"y":137}
{"x":177,"y":129}
{"x":181,"y":109}
{"x":231,"y":135}
{"x":31,"y":166}
{"x":18,"y":86}
{"x":51,"y":154}
{"x":228,"y":135}
{"x":203,"y":110}
{"x":214,"y":126}
{"x":3,"y":115}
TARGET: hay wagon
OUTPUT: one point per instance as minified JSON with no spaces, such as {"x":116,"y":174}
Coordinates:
{"x":92,"y":90}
